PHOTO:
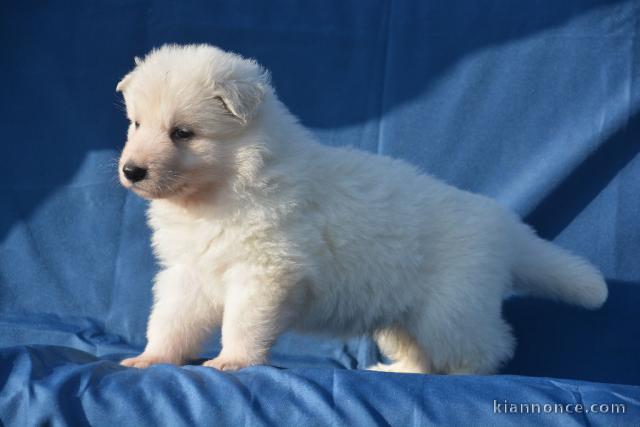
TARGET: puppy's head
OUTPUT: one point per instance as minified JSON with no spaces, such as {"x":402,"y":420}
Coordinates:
{"x":188,"y":107}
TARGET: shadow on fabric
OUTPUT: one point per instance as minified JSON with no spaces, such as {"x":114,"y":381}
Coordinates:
{"x":557,"y":340}
{"x":584,"y":183}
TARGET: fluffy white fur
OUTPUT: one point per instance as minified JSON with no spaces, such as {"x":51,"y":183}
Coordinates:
{"x":260,"y":229}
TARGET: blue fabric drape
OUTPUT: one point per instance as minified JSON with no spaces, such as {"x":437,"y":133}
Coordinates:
{"x":535,"y":103}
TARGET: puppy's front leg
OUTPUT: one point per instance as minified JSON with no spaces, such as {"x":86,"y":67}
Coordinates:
{"x":180,"y":319}
{"x":257,"y":309}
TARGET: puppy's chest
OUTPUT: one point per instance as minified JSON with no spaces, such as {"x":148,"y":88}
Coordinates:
{"x":202,"y":245}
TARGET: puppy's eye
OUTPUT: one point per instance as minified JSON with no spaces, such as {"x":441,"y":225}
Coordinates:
{"x":136,"y":124}
{"x":178,"y":134}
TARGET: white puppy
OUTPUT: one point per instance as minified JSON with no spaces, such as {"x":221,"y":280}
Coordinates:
{"x":259,"y":229}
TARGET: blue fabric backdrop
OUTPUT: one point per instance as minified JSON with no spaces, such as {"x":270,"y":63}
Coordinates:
{"x":534,"y":103}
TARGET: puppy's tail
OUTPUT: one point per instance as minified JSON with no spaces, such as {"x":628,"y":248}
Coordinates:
{"x":546,"y":270}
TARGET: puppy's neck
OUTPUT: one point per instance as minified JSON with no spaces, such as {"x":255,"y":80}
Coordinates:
{"x":196,"y":199}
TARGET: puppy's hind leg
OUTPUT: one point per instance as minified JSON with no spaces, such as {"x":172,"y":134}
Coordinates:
{"x":477,"y":348}
{"x":464,"y":332}
{"x":406,"y":354}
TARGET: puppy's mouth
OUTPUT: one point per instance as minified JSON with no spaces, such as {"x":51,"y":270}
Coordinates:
{"x":143,"y":192}
{"x":156,"y":192}
{"x":153,"y":189}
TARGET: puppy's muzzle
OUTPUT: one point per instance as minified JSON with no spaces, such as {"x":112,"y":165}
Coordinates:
{"x":134,"y":173}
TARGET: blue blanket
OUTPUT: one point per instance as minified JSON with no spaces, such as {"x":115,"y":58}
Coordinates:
{"x":534,"y":103}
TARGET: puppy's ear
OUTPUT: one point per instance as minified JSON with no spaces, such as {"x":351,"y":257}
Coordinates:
{"x":241,"y":98}
{"x":122,"y":84}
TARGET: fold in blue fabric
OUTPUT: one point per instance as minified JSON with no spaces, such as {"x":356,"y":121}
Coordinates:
{"x":74,"y":388}
{"x":533,"y":103}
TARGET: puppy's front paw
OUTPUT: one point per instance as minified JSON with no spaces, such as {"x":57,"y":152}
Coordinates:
{"x":144,"y":361}
{"x":379,"y":367}
{"x":223,"y":363}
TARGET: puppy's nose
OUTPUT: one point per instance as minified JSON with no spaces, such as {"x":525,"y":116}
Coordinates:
{"x":133,"y":172}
